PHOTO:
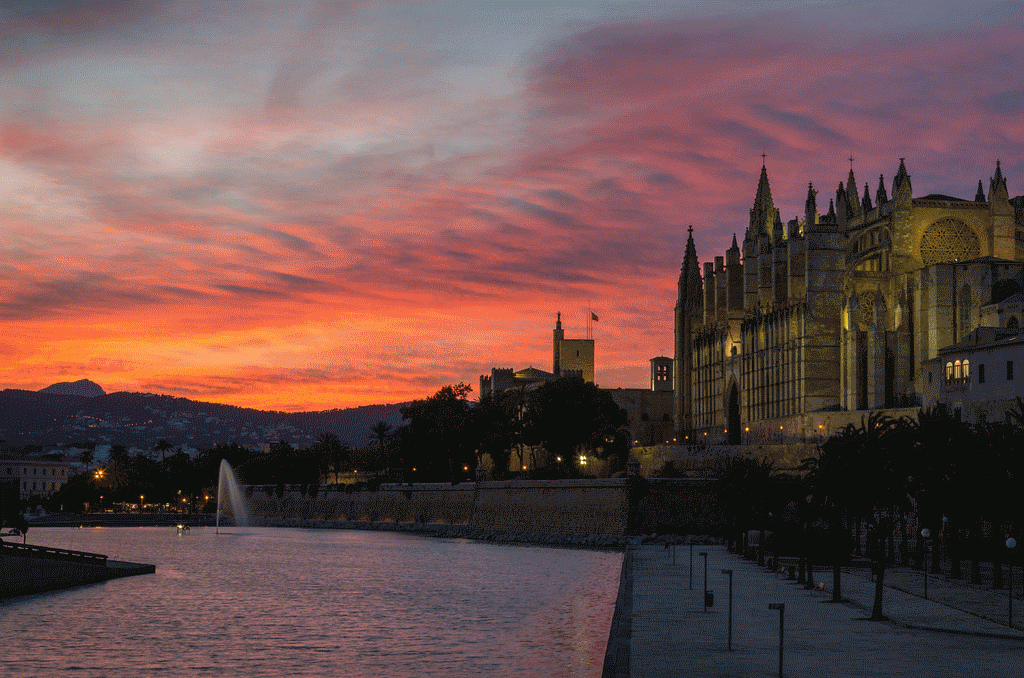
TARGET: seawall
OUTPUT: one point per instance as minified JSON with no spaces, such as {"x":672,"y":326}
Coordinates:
{"x":27,"y":569}
{"x":613,"y":507}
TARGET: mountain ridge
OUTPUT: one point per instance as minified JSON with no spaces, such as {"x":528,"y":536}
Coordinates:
{"x":82,"y":387}
{"x":142,"y":419}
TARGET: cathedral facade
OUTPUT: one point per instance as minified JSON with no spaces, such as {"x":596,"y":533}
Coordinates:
{"x":837,"y":311}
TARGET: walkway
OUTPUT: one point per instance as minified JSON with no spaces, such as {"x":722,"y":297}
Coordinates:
{"x":662,"y":629}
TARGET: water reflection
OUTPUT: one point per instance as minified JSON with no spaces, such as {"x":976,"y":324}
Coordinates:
{"x":323,"y":603}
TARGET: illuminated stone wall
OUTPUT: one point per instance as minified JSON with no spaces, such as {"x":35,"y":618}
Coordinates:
{"x":596,"y":507}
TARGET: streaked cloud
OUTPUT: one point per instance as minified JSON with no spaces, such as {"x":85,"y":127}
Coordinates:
{"x":323,"y":204}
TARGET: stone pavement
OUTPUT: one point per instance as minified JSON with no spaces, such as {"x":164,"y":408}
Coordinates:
{"x":662,"y":629}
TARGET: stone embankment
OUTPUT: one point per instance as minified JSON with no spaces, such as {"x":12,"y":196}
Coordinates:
{"x":27,"y":569}
{"x":571,"y":540}
{"x":604,"y":507}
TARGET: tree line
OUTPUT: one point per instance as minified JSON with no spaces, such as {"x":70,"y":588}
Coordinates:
{"x":541,"y":433}
{"x":872,"y":488}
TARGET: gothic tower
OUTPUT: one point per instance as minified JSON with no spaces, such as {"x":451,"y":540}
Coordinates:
{"x":688,"y":315}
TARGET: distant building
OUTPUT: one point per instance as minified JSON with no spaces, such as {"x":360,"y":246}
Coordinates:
{"x":569,"y":357}
{"x":572,"y":355}
{"x":661,"y":373}
{"x":35,"y":477}
{"x":979,"y":378}
{"x":648,"y":410}
{"x":840,"y":311}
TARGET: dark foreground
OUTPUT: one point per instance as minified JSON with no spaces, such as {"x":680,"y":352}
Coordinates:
{"x":661,"y":627}
{"x":27,"y":569}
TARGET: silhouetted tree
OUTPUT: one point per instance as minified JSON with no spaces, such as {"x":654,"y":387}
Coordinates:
{"x":571,"y":417}
{"x":436,"y":440}
{"x":337,"y":454}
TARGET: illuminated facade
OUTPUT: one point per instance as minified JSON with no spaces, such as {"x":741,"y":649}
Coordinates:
{"x":35,"y":477}
{"x":837,"y":312}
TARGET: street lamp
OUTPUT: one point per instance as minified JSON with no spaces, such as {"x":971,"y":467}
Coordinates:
{"x":925,"y":533}
{"x":691,"y":564}
{"x":1011,"y":544}
{"x":781,"y":607}
{"x":705,"y":555}
{"x":937,"y":552}
{"x":729,"y":572}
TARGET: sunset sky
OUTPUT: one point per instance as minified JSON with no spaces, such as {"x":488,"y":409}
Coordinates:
{"x":307,"y":205}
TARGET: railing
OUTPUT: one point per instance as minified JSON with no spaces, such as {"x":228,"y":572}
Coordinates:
{"x":957,"y":383}
{"x":52,"y":553}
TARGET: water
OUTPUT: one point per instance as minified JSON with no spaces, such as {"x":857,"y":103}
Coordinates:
{"x":283,"y":602}
{"x":229,"y":489}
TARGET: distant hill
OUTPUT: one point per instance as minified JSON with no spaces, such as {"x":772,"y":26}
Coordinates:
{"x":141,"y":419}
{"x":82,"y":387}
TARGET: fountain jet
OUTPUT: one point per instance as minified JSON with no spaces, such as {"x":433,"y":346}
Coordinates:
{"x":230,"y":492}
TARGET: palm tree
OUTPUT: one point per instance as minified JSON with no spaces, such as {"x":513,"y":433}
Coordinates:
{"x":334,"y":452}
{"x":162,"y":446}
{"x":863,"y":471}
{"x":381,"y":432}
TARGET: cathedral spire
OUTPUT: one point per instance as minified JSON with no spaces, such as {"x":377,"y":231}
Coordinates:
{"x":763,"y":214}
{"x":810,"y":207}
{"x":997,"y":193}
{"x":831,"y":216}
{"x":881,"y":197}
{"x":690,"y":282}
{"x":980,"y":195}
{"x":902,"y":181}
{"x":734,"y":245}
{"x":851,"y":193}
{"x":865,"y":202}
{"x":842,"y":205}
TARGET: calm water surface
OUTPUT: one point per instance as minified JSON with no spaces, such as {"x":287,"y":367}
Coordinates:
{"x":280,"y":602}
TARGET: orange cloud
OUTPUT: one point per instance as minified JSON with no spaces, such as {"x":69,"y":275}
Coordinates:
{"x":283,"y":209}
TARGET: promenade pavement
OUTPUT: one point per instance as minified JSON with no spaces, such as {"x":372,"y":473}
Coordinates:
{"x":661,"y":627}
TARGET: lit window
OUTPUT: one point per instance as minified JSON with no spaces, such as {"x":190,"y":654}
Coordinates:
{"x":949,"y":370}
{"x":967,"y":369}
{"x":957,"y":370}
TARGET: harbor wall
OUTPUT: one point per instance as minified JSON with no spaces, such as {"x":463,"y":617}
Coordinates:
{"x":27,"y":569}
{"x":616,"y":506}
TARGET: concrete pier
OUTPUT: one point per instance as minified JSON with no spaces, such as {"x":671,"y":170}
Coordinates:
{"x":27,"y":569}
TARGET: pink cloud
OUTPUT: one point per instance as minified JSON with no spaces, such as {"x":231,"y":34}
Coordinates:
{"x":312,"y":229}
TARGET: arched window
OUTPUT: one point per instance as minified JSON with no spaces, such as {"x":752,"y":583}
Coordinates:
{"x":967,"y":369}
{"x":949,"y":371}
{"x":956,"y":370}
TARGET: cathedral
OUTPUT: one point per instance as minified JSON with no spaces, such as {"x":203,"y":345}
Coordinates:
{"x":836,"y":312}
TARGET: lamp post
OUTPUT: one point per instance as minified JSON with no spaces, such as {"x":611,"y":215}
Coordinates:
{"x":904,"y":554}
{"x":729,"y":572}
{"x":937,"y":552}
{"x":1011,"y":544}
{"x":705,"y":556}
{"x":925,"y":533}
{"x":781,"y":607}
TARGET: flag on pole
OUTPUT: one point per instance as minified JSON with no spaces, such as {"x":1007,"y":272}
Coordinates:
{"x":593,"y":316}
